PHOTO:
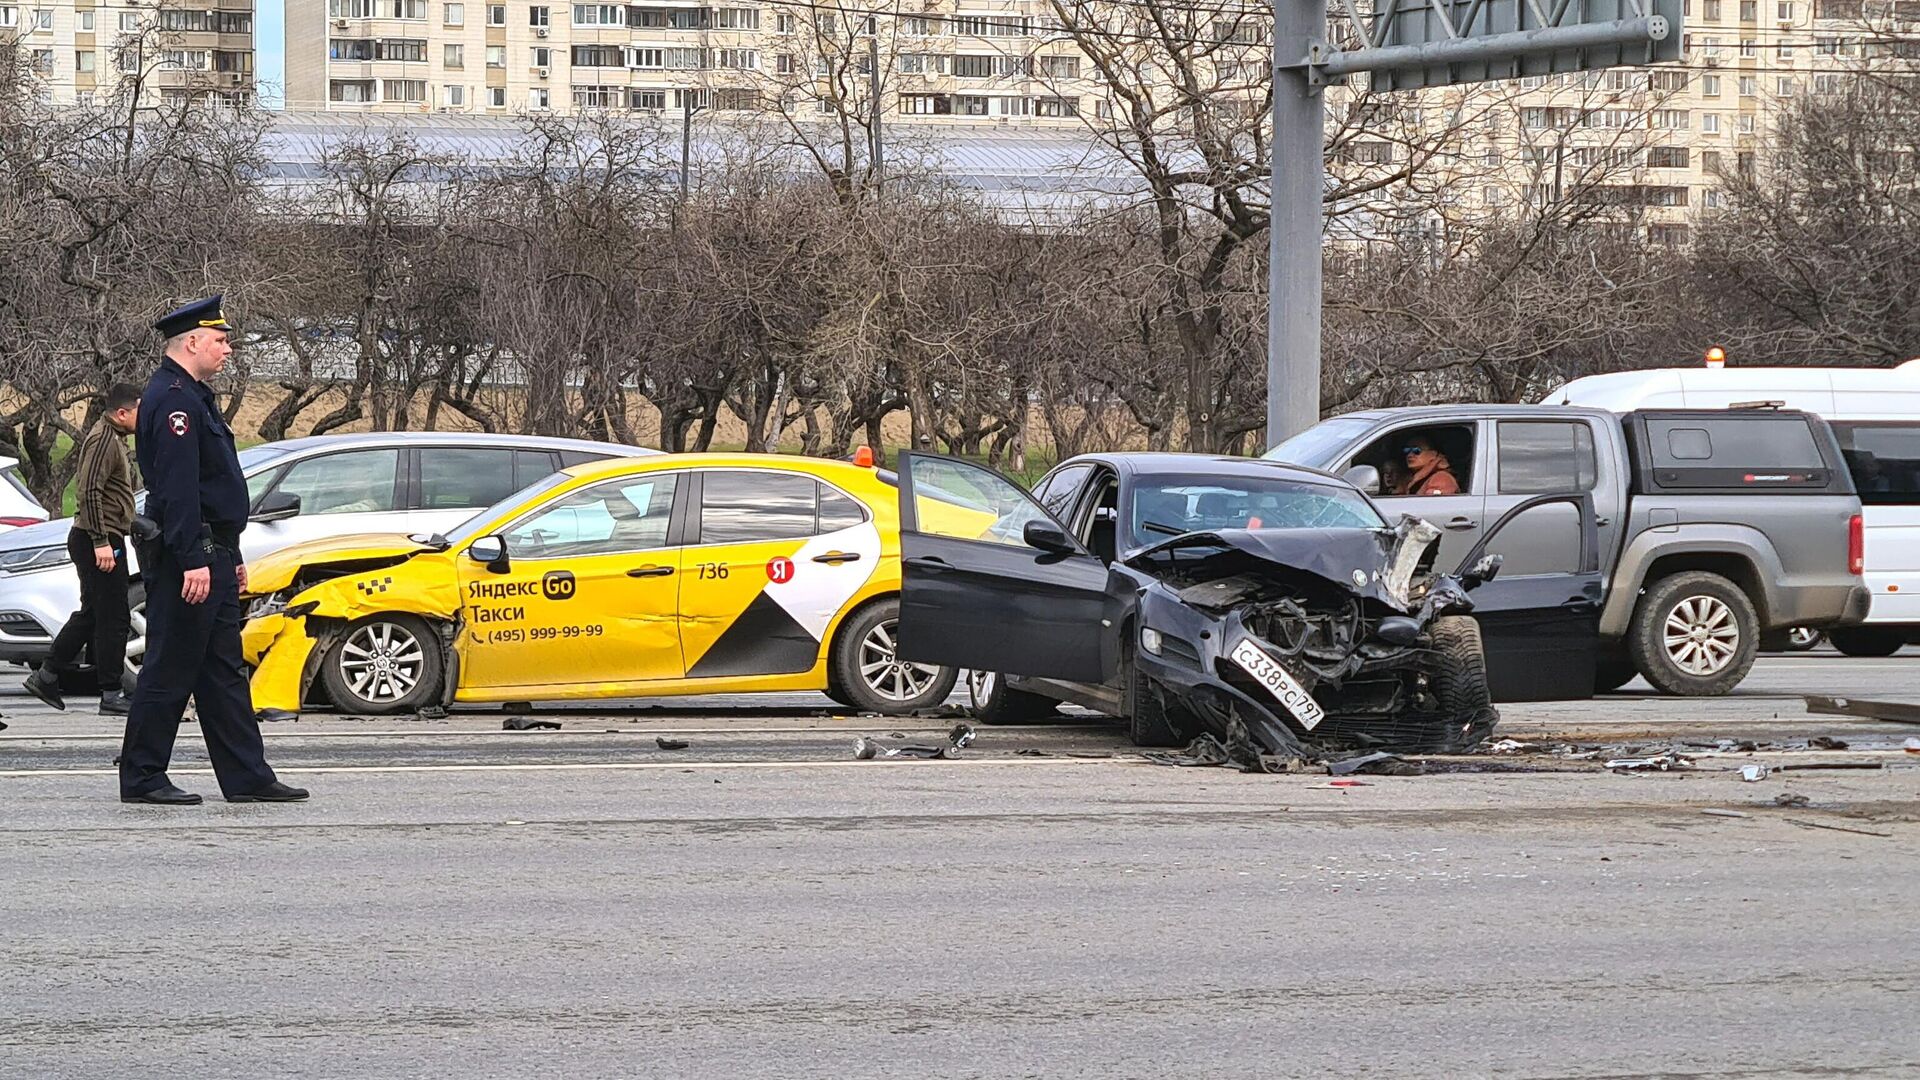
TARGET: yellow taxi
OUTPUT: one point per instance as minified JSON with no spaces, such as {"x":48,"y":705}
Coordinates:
{"x":630,"y":577}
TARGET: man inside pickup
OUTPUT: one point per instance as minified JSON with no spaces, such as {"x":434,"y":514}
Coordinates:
{"x":1428,"y":472}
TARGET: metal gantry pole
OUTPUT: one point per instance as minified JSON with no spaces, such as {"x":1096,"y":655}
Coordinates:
{"x":1294,"y":236}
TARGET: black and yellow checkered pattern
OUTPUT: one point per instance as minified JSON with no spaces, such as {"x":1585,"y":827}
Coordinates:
{"x":373,"y":587}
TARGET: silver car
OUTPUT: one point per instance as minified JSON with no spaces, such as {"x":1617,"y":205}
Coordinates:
{"x":299,"y":490}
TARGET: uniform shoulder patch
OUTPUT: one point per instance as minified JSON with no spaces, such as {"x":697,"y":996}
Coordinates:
{"x":177,"y":422}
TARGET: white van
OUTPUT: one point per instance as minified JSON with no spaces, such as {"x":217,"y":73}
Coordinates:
{"x":1875,"y":413}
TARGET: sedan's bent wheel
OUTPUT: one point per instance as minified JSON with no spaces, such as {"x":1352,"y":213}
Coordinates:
{"x":866,"y":668}
{"x":1457,"y":675}
{"x":1694,"y":635}
{"x":384,"y":664}
{"x":994,"y":702}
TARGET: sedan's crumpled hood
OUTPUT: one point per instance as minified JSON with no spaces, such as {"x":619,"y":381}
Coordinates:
{"x":272,"y":573}
{"x":1333,"y":555}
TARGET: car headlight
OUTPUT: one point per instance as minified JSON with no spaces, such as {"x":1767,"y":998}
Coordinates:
{"x":21,"y":560}
{"x":264,"y":606}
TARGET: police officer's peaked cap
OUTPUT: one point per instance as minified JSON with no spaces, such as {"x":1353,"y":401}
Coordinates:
{"x":200,"y":313}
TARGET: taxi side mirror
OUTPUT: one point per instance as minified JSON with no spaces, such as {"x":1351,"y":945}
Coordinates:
{"x":491,"y":550}
{"x":277,"y":506}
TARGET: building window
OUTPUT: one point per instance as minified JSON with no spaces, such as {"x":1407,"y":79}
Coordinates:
{"x":83,"y":62}
{"x":783,"y":23}
{"x":1784,"y":10}
{"x":496,"y":97}
{"x":647,"y":99}
{"x":1056,"y":106}
{"x":645,"y":58}
{"x":86,"y":22}
{"x":689,"y":99}
{"x":130,"y":22}
{"x":496,"y":14}
{"x":406,"y":9}
{"x":453,"y":57}
{"x":1670,"y":119}
{"x":1746,"y":86}
{"x":539,"y":98}
{"x":542,"y":56}
{"x":599,"y":15}
{"x":1746,"y":124}
{"x":412,"y":90}
{"x":736,"y":18}
{"x":353,"y":91}
{"x":1749,"y":10}
{"x":496,"y":56}
{"x":926,"y":104}
{"x":599,"y":56}
{"x":1714,"y":199}
{"x":1060,"y":67}
{"x":1711,"y":10}
{"x":453,"y":96}
{"x":1710,"y":123}
{"x":737,"y":99}
{"x":539,"y":17}
{"x":1748,"y":49}
{"x":597,"y":97}
{"x":453,"y":14}
{"x":42,"y":19}
{"x":971,"y":105}
{"x":744,"y":59}
{"x":1784,"y":87}
{"x":686,"y":59}
{"x":1666,"y":157}
{"x":783,"y":64}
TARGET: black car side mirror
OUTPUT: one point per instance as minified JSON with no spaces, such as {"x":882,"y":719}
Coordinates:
{"x":1048,"y":537}
{"x":1483,"y":571}
{"x":277,"y":506}
{"x":491,"y":550}
{"x":1364,"y":477}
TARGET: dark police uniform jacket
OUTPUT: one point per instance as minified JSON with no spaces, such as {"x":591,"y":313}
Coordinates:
{"x":195,"y":491}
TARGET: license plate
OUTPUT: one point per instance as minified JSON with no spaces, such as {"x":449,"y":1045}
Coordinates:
{"x":1294,"y":697}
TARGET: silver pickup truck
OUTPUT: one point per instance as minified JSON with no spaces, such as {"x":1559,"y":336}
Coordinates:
{"x":1717,"y":527}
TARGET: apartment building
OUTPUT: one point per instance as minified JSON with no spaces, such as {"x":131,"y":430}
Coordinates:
{"x":671,"y":55}
{"x":82,"y":51}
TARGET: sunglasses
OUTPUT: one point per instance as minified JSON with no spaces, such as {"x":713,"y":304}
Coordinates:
{"x":1408,"y":450}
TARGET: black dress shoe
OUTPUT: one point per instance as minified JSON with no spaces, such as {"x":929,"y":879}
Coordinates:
{"x":275,"y":716}
{"x":115,"y":703}
{"x":45,"y":685}
{"x":274,"y":792}
{"x":164,"y":796}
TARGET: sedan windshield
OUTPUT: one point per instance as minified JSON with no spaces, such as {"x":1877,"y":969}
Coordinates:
{"x":470,"y":528}
{"x":1165,"y":506}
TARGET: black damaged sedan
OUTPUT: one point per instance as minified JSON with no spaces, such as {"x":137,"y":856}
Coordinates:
{"x":1250,"y":600}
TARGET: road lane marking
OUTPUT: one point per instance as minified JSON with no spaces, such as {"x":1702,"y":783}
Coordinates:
{"x":494,"y":733}
{"x":603,"y":766}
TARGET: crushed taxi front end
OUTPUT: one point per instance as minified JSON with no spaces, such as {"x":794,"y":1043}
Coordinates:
{"x":302,"y":598}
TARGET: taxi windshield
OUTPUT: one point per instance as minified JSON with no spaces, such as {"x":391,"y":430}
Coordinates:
{"x":470,"y":528}
{"x":1167,"y":506}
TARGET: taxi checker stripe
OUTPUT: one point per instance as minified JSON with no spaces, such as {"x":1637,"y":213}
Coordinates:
{"x":371,"y":587}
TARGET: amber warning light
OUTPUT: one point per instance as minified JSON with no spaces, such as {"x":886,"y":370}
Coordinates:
{"x":1716,"y":357}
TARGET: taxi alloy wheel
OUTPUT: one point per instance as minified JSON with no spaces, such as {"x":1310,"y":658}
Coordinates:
{"x":384,"y":664}
{"x":887,"y":675}
{"x":866,"y":669}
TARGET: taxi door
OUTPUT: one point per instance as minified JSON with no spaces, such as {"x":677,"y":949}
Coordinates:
{"x":586,"y":595}
{"x":772,"y":556}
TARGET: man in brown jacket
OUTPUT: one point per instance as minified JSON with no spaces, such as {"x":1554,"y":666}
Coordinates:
{"x":98,"y":545}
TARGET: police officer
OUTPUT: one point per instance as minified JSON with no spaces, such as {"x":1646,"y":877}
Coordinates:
{"x":193,"y":573}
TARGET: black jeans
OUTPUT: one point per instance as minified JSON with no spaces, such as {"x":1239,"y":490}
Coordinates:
{"x":103,"y":620}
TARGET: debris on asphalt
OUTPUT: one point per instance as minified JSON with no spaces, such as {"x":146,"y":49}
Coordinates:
{"x":1753,"y":774}
{"x":1032,"y":751}
{"x":1897,"y":712}
{"x":1833,"y":765}
{"x":1790,"y":799}
{"x":1737,"y":746}
{"x":527,"y":723}
{"x":1667,"y":762}
{"x":1376,"y":764}
{"x":1238,"y":752}
{"x":1723,"y":813}
{"x":431,"y":712}
{"x":941,"y":712}
{"x":1513,"y":746}
{"x":1348,"y":783}
{"x":1826,"y":742}
{"x":959,"y":737}
{"x":1834,"y":828}
{"x":665,"y":743}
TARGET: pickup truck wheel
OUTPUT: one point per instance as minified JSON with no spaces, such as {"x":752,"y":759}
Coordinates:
{"x":1694,"y":635}
{"x":1611,"y":675}
{"x":873,"y":678}
{"x":1457,"y":676}
{"x":1148,"y":722}
{"x":384,"y":664}
{"x":1802,"y":638}
{"x":1862,"y":641}
{"x":994,"y":702}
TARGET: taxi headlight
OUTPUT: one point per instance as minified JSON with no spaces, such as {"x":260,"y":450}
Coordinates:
{"x":264,"y":606}
{"x":22,"y":560}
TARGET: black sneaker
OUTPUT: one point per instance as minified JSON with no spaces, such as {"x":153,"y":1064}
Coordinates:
{"x":115,"y":703}
{"x":45,"y":685}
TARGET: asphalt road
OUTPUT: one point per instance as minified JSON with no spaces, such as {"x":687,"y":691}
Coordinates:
{"x":462,"y":901}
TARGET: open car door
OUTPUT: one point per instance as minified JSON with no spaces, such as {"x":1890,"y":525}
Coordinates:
{"x":990,"y":581}
{"x":1542,"y":631}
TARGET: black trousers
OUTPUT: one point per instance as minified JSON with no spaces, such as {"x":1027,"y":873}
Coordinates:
{"x":193,"y":649}
{"x":103,"y":620}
